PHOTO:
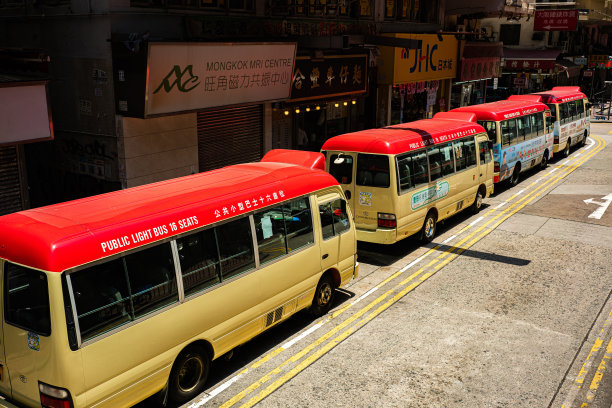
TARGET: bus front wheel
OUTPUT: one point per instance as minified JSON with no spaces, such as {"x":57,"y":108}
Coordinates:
{"x":477,"y":205}
{"x":189,"y":374}
{"x":429,"y":227}
{"x":544,"y":162}
{"x":324,"y":296}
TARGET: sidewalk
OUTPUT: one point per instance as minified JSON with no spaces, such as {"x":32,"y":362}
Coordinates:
{"x":601,"y":114}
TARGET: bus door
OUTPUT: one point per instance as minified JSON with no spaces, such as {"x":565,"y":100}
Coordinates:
{"x":26,"y":328}
{"x":338,"y":245}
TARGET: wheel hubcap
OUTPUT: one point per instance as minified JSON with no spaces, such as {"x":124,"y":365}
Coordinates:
{"x":325,"y":294}
{"x":190,"y":374}
{"x":429,"y":227}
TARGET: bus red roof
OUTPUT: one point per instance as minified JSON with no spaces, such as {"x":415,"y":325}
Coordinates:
{"x":502,"y":110}
{"x":312,"y":160}
{"x":561,"y":94}
{"x":65,"y":235}
{"x":403,"y":137}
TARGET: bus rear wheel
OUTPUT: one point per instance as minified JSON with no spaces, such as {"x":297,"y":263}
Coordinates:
{"x":566,"y":151}
{"x":475,"y":208}
{"x":584,"y":138}
{"x":428,"y":232}
{"x":544,"y":162}
{"x":514,"y":179}
{"x":324,"y":296}
{"x":189,"y":374}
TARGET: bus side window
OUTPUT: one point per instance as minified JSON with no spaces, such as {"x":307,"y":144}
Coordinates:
{"x":508,"y":131}
{"x":434,"y":156}
{"x":534,"y":125}
{"x":270,"y":231}
{"x":199,"y":259}
{"x":563,"y":113}
{"x":372,"y":170}
{"x":334,"y":218}
{"x":26,"y":299}
{"x":485,"y":152}
{"x":573,"y":112}
{"x":235,"y":247}
{"x":459,"y":155}
{"x":298,"y":224}
{"x":469,"y":150}
{"x":539,"y":117}
{"x":524,"y":128}
{"x":152,"y":279}
{"x":580,"y":108}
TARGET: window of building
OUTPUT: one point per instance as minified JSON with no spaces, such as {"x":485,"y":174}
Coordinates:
{"x":510,"y":34}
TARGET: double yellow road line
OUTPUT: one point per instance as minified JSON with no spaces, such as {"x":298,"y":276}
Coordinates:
{"x":333,"y":337}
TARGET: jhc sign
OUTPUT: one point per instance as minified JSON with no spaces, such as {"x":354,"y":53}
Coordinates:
{"x":436,"y":59}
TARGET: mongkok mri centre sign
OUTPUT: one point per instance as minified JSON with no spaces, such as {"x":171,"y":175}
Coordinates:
{"x":183,"y":77}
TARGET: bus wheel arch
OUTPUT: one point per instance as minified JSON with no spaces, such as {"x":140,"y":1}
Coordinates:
{"x":190,"y":371}
{"x":428,"y":232}
{"x":324,"y":293}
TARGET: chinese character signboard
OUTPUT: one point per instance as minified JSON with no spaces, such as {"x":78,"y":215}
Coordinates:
{"x":436,"y":59}
{"x":555,"y":20}
{"x":329,"y":76}
{"x":528,"y":65}
{"x":191,"y":76}
{"x":479,"y":68}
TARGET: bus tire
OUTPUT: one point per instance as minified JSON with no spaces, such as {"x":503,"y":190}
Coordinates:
{"x":324,"y":296}
{"x":544,"y":162}
{"x":428,"y":232}
{"x":477,"y":205}
{"x":514,"y":178}
{"x":189,"y":374}
{"x":566,"y":151}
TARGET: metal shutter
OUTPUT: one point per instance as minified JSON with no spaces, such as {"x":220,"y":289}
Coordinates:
{"x":10,"y":185}
{"x":230,"y":136}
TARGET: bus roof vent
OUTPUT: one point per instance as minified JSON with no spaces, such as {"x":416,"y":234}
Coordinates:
{"x":312,"y":160}
{"x":530,"y":98}
{"x":567,"y":88}
{"x":463,"y":116}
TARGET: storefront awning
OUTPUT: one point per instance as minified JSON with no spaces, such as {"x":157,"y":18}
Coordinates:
{"x":529,"y":60}
{"x":572,"y":70}
{"x":480,"y":60}
{"x":27,"y":117}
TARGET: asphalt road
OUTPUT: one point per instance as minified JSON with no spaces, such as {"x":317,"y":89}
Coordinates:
{"x":507,"y":308}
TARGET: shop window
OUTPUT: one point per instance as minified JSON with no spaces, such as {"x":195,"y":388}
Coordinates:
{"x":510,"y":34}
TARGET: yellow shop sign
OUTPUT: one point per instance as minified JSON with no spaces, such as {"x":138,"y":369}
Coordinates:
{"x":436,"y":59}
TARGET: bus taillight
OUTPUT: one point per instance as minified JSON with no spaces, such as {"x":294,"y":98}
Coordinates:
{"x":53,"y":397}
{"x":386,"y":220}
{"x":496,"y":167}
{"x":557,"y":139}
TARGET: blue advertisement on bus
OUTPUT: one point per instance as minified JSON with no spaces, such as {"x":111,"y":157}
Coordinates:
{"x":526,"y":152}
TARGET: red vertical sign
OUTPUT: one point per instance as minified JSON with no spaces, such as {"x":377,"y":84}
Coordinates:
{"x":555,"y":20}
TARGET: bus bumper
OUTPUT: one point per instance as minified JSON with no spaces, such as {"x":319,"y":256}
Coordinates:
{"x":378,"y":236}
{"x":5,"y":404}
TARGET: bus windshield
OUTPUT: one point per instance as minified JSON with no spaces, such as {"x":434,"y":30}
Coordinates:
{"x":372,"y":170}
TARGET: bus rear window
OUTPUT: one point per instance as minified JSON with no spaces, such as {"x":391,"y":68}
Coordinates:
{"x":372,"y":170}
{"x":490,"y":128}
{"x":26,"y":299}
{"x":343,"y":170}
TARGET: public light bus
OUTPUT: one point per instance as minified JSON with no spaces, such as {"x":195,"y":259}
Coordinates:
{"x":570,"y":110}
{"x":405,"y":178}
{"x":521,"y":132}
{"x":110,"y":299}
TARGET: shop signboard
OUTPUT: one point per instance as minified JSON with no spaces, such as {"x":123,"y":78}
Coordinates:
{"x":527,"y":64}
{"x":580,"y":60}
{"x":27,"y":118}
{"x":479,"y":68}
{"x":436,"y":59}
{"x":555,"y":20}
{"x":330,"y":76}
{"x":165,"y":78}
